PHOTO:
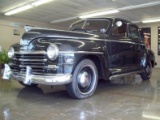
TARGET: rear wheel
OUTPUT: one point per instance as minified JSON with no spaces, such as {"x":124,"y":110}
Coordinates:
{"x":32,"y":85}
{"x":84,"y":80}
{"x":147,"y":72}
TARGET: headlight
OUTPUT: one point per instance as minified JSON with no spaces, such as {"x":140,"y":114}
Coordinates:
{"x":52,"y":51}
{"x":11,"y":52}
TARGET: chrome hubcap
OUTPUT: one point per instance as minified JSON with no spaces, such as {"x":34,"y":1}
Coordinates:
{"x":84,"y":79}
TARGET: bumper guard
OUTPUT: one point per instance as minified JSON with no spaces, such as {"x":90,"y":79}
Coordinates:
{"x":29,"y":78}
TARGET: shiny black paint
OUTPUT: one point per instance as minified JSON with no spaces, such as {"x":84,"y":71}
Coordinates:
{"x":139,"y":50}
{"x":118,"y":55}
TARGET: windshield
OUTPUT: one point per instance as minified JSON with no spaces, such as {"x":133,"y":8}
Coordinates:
{"x":91,"y":25}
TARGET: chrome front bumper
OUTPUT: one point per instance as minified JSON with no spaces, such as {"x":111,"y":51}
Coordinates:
{"x":54,"y":79}
{"x":57,"y":79}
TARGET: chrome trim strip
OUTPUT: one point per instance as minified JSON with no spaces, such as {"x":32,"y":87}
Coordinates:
{"x":33,"y":66}
{"x":33,"y":71}
{"x":54,"y":79}
{"x":30,"y":52}
{"x":11,"y":64}
{"x":36,"y":60}
{"x":125,"y":41}
{"x":15,"y":59}
{"x":69,"y":37}
{"x":124,"y":74}
{"x":79,"y":52}
{"x":96,"y":39}
{"x":61,"y":52}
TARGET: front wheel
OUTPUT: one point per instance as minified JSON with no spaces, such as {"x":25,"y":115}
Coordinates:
{"x":147,"y":72}
{"x":84,"y":80}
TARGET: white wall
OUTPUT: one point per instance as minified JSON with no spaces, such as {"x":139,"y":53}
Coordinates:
{"x":6,"y":35}
{"x":154,"y":39}
{"x":8,"y":24}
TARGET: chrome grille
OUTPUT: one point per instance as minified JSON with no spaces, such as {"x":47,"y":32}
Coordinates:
{"x":36,"y":60}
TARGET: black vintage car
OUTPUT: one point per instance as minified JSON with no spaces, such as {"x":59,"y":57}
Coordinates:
{"x":92,"y":49}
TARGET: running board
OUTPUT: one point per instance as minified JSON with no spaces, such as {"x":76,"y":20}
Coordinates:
{"x":124,"y":74}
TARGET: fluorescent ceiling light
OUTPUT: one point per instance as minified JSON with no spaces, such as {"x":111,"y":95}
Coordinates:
{"x":20,"y":9}
{"x":27,"y":6}
{"x":150,"y":116}
{"x":140,"y":6}
{"x":150,"y":21}
{"x":99,"y":13}
{"x":135,"y":22}
{"x":40,"y":2}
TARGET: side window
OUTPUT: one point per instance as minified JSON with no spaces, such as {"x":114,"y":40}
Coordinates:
{"x":96,"y":24}
{"x":77,"y":25}
{"x":133,"y":32}
{"x":119,"y":29}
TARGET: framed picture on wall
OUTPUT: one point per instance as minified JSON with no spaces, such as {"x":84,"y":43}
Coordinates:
{"x":16,"y":32}
{"x":147,"y":36}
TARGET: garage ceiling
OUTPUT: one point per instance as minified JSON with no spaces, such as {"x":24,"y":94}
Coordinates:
{"x":63,"y":9}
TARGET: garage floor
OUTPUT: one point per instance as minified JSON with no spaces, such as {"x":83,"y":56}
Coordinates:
{"x":123,"y":100}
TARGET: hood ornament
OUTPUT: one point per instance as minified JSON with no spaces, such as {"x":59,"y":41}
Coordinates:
{"x":23,"y":42}
{"x":28,"y":27}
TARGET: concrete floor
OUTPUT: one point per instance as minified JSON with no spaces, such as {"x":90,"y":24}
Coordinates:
{"x":124,"y":100}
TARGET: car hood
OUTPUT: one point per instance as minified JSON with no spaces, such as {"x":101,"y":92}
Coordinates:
{"x":57,"y":34}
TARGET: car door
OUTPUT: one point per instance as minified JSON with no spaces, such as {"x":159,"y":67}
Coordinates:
{"x":119,"y":49}
{"x":138,"y":47}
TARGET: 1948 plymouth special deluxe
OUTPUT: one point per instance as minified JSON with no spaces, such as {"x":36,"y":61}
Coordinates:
{"x":92,"y":49}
